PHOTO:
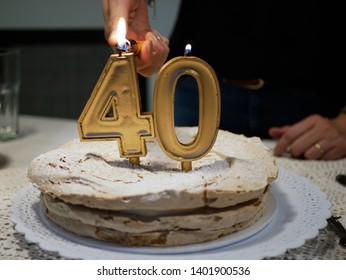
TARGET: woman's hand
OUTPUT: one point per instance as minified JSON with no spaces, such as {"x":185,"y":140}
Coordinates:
{"x":155,"y":47}
{"x":314,"y":137}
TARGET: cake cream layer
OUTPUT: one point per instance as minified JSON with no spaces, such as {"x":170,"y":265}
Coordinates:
{"x":204,"y":219}
{"x":158,"y":238}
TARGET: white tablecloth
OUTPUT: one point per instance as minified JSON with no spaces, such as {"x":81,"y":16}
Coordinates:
{"x":39,"y":134}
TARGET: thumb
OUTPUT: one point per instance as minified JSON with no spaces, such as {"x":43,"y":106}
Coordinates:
{"x":116,"y":12}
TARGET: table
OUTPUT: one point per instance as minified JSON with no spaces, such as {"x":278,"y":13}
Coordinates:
{"x":40,"y":134}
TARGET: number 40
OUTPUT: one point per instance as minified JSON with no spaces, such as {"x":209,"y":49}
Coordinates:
{"x":113,"y":111}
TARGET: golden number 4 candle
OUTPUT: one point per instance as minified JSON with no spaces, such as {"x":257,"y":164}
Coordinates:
{"x":113,"y":110}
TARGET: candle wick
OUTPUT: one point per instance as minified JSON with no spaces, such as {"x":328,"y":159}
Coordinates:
{"x":119,"y":51}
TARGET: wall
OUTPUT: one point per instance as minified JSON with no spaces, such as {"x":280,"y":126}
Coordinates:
{"x":51,"y":14}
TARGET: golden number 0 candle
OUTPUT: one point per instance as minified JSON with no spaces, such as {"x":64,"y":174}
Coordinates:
{"x":209,"y":109}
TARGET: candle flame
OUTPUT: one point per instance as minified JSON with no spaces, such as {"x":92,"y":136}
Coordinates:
{"x":123,"y":43}
{"x":188,"y":48}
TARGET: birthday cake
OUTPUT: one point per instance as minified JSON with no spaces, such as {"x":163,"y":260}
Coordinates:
{"x":87,"y":189}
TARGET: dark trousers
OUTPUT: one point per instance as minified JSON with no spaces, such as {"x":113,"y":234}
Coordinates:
{"x":252,"y":112}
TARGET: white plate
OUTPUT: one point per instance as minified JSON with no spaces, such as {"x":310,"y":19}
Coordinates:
{"x":296,"y":210}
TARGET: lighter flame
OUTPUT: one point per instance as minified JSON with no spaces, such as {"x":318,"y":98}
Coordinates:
{"x":120,"y":35}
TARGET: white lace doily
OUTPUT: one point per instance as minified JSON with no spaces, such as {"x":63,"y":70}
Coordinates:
{"x":302,"y":210}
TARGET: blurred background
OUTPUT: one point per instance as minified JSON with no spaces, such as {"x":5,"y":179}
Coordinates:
{"x":63,"y":51}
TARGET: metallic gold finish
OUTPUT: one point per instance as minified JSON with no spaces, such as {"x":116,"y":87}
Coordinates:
{"x":209,"y":109}
{"x":319,"y":148}
{"x":113,"y":111}
{"x":186,"y":165}
{"x":251,"y":84}
{"x":134,"y":160}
